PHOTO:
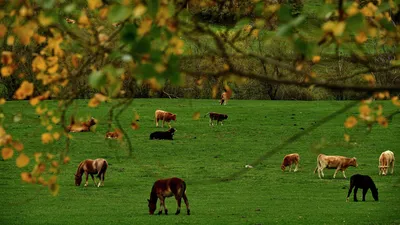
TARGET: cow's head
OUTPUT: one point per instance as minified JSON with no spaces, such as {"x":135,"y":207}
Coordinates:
{"x":225,"y":116}
{"x":172,"y":130}
{"x":283,"y":167}
{"x":383,"y":169}
{"x":353,"y":162}
{"x":173,"y":117}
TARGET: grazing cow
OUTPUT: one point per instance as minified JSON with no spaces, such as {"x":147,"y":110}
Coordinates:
{"x":289,"y":160}
{"x":224,"y":98}
{"x":163,"y":135}
{"x":364,"y":182}
{"x":334,"y":162}
{"x":81,"y":127}
{"x":386,"y":161}
{"x":164,"y":116}
{"x":117,"y":134}
{"x":216,"y":116}
{"x":167,"y":188}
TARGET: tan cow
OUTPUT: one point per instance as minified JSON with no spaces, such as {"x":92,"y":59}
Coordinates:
{"x":334,"y":162}
{"x":81,"y":127}
{"x":289,"y":160}
{"x":386,"y":161}
{"x":164,"y":116}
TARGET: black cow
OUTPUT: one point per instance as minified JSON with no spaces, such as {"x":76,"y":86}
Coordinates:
{"x":163,"y":135}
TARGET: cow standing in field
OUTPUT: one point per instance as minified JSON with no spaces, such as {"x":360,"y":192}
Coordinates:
{"x":386,"y":161}
{"x":334,"y":162}
{"x":216,"y":117}
{"x":289,"y":160}
{"x":164,"y":116}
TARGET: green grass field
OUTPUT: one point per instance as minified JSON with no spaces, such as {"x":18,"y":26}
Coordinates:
{"x":200,"y":154}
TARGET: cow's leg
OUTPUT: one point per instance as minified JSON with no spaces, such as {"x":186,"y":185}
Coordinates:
{"x":221,"y":122}
{"x":162,"y":123}
{"x":344,"y":175}
{"x":355,"y":194}
{"x":337,"y":169}
{"x":350,"y":190}
{"x":210,"y":122}
{"x":87,"y":177}
{"x":156,"y":122}
{"x":364,"y":193}
{"x":178,"y":201}
{"x":290,"y":168}
{"x":186,"y":203}
{"x":297,"y":167}
{"x":161,"y":205}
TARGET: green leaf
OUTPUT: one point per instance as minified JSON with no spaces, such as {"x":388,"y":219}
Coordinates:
{"x":355,"y":23}
{"x":70,"y":8}
{"x":387,"y":25}
{"x":172,"y":71}
{"x":152,"y":7}
{"x":48,"y":4}
{"x":243,"y":22}
{"x":284,"y":14}
{"x":97,"y":79}
{"x":146,"y":71}
{"x":128,"y":33}
{"x":142,"y":46}
{"x":119,"y":13}
{"x":259,"y":9}
{"x":304,"y":47}
{"x":284,"y":30}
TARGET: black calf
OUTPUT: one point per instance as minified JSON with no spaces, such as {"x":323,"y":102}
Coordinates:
{"x":364,"y":182}
{"x":163,"y":135}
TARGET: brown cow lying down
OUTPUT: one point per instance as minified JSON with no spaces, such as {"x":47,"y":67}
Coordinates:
{"x":334,"y":162}
{"x":216,"y":116}
{"x":164,"y":116}
{"x":386,"y":161}
{"x":289,"y":160}
{"x":117,"y":134}
{"x":81,"y":127}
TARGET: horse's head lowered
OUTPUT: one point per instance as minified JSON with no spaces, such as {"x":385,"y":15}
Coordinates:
{"x":152,"y":207}
{"x":78,"y":179}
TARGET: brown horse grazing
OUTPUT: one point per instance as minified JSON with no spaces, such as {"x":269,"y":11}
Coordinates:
{"x":167,"y":188}
{"x":89,"y":166}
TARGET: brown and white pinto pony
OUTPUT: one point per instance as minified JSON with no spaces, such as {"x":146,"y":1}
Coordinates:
{"x":386,"y":161}
{"x":81,"y":127}
{"x":164,"y":116}
{"x":167,"y":188}
{"x":334,"y":162}
{"x":289,"y":160}
{"x":89,"y":166}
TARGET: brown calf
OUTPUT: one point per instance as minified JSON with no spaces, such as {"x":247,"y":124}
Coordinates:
{"x":289,"y":160}
{"x":334,"y":162}
{"x":164,"y":116}
{"x":386,"y":161}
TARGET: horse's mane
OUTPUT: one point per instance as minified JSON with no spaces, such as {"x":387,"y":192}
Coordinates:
{"x":153,"y":194}
{"x":79,"y":170}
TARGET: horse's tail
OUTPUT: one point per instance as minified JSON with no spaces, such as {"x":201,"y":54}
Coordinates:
{"x":183,"y":188}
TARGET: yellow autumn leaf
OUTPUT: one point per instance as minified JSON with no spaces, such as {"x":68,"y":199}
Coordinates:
{"x":350,"y":122}
{"x":54,"y":189}
{"x":316,"y":59}
{"x":94,"y":4}
{"x":214,"y":91}
{"x":6,"y":57}
{"x":337,"y":28}
{"x":39,"y":64}
{"x":361,"y":37}
{"x":38,"y":38}
{"x":37,"y":156}
{"x":26,"y":88}
{"x":56,"y":136}
{"x":365,"y":110}
{"x":370,"y":78}
{"x":3,"y":30}
{"x":17,"y":145}
{"x":145,"y":26}
{"x":139,"y":11}
{"x":93,"y":102}
{"x":137,"y":117}
{"x":10,"y":40}
{"x":83,"y":20}
{"x":395,"y":101}
{"x":66,"y":159}
{"x":103,"y":13}
{"x":44,"y":20}
{"x":26,"y":177}
{"x":55,"y":119}
{"x":6,"y":71}
{"x":2,"y":101}
{"x":34,"y":101}
{"x":196,"y":116}
{"x":47,"y":138}
{"x":346,"y":137}
{"x":135,"y":126}
{"x":382,"y":121}
{"x":22,"y":160}
{"x":53,"y":69}
{"x":7,"y":153}
{"x":100,"y":97}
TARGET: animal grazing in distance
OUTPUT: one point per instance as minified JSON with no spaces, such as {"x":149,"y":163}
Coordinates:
{"x":289,"y":160}
{"x":224,"y":98}
{"x":364,"y":182}
{"x":163,"y":135}
{"x":116,"y":134}
{"x":386,"y":161}
{"x":216,"y":117}
{"x":164,"y":116}
{"x":167,"y":188}
{"x":81,"y":127}
{"x":89,"y":166}
{"x":334,"y":162}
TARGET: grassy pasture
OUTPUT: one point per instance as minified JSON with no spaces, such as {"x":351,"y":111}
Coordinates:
{"x":199,"y":153}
